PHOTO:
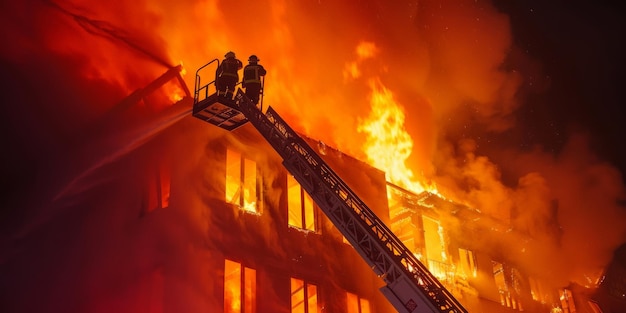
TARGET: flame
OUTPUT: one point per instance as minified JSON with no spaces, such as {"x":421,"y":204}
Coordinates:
{"x":175,"y":90}
{"x":232,"y":286}
{"x":451,"y":53}
{"x":364,"y":50}
{"x":388,"y":145}
{"x":183,"y":69}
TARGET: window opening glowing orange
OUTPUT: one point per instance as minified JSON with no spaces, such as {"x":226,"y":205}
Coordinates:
{"x":356,"y":304}
{"x":239,"y":288}
{"x":303,"y":297}
{"x":301,"y":210}
{"x":243,"y":182}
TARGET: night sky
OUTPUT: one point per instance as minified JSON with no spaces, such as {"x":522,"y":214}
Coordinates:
{"x":579,"y":85}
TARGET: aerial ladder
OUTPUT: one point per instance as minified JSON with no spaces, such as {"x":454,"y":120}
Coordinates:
{"x":410,"y":287}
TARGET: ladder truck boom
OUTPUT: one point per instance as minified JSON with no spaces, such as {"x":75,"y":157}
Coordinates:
{"x":410,"y":287}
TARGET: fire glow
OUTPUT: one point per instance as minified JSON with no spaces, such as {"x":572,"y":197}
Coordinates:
{"x":388,"y":145}
{"x":447,"y":55}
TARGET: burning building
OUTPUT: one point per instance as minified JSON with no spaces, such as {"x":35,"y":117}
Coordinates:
{"x":225,"y":227}
{"x":124,"y":202}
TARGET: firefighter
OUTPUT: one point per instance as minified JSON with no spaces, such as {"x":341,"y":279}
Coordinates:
{"x":227,"y":75}
{"x":252,"y":78}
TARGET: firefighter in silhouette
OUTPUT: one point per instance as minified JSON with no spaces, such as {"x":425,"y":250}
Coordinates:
{"x":252,"y":74}
{"x":227,"y":75}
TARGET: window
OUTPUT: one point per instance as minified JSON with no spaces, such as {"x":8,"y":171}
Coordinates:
{"x":467,"y":263}
{"x":567,"y":301}
{"x":436,"y":251}
{"x":508,"y":296}
{"x":357,"y":304}
{"x":535,"y":290}
{"x":516,"y":282}
{"x":239,"y":288}
{"x":243,"y":182}
{"x":157,"y":195}
{"x":540,"y":292}
{"x":401,"y":217}
{"x":303,"y":297}
{"x":301,"y":212}
{"x":503,"y":290}
{"x":435,"y":245}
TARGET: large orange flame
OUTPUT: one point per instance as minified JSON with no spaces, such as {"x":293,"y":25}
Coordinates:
{"x":388,"y":145}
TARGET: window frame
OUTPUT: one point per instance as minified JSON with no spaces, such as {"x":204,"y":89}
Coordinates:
{"x":240,"y":180}
{"x":306,"y":288}
{"x":363,"y":304}
{"x":307,"y":207}
{"x":246,"y":283}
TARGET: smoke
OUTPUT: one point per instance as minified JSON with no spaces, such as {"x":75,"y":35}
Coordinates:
{"x":452,"y":66}
{"x":588,"y":209}
{"x":71,"y":236}
{"x":566,"y":198}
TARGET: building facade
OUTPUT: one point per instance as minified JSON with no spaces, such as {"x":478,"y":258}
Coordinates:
{"x":189,"y":217}
{"x":270,"y":248}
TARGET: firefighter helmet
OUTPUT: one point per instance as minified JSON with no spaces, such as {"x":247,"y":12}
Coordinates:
{"x":229,"y":54}
{"x":253,"y":58}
